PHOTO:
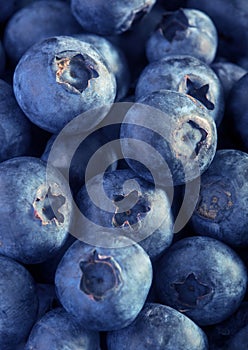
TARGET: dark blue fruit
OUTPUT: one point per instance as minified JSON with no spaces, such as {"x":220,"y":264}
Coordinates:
{"x":104,"y":288}
{"x":158,"y":327}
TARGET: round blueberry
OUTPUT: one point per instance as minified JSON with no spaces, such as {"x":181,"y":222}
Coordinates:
{"x":185,"y":74}
{"x":15,"y":130}
{"x":183,"y":32}
{"x":128,"y":206}
{"x":158,"y":327}
{"x":59,"y":330}
{"x":35,"y":209}
{"x":59,"y":78}
{"x":203,"y":278}
{"x":221,"y":211}
{"x":104,"y":288}
{"x":112,"y":17}
{"x":171,"y":134}
{"x":18,"y":303}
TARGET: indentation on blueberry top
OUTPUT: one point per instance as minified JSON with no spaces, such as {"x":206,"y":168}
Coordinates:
{"x":47,"y":206}
{"x":189,"y":138}
{"x":75,"y":72}
{"x":130,"y":209}
{"x":100,"y":275}
{"x":172,"y":23}
{"x":199,"y":93}
{"x":191,"y":290}
{"x":215,"y":201}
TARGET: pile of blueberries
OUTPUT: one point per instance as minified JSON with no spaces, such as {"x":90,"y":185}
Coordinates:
{"x":123,"y":175}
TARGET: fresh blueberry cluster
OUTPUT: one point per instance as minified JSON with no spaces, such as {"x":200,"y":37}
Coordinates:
{"x":123,"y":175}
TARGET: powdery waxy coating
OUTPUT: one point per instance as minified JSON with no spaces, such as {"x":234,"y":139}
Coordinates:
{"x":159,"y":327}
{"x":221,"y":211}
{"x":175,"y":125}
{"x":104,"y":288}
{"x":203,"y":278}
{"x":111,"y":17}
{"x":37,"y":21}
{"x":18,"y":303}
{"x":183,"y":32}
{"x":136,"y":209}
{"x":35,"y":210}
{"x":59,"y":330}
{"x":185,"y":74}
{"x":15,"y":128}
{"x":59,"y":78}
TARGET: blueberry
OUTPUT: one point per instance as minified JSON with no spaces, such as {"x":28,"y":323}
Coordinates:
{"x":59,"y":330}
{"x":59,"y":78}
{"x":230,"y":19}
{"x":158,"y":327}
{"x":35,"y":209}
{"x":221,"y":211}
{"x":104,"y":288}
{"x":236,"y":109}
{"x":228,"y":73}
{"x":15,"y":131}
{"x":18,"y":303}
{"x":203,"y":278}
{"x":137,"y":210}
{"x":180,"y":135}
{"x":185,"y":74}
{"x":37,"y":21}
{"x":239,"y":340}
{"x":108,"y":18}
{"x":183,"y":32}
{"x":115,"y":60}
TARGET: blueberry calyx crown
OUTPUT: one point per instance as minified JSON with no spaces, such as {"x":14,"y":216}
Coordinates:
{"x":74,"y":72}
{"x":173,"y":22}
{"x":190,"y":290}
{"x":199,"y":93}
{"x":100,"y":275}
{"x":215,"y":201}
{"x":130,"y":209}
{"x":47,"y":205}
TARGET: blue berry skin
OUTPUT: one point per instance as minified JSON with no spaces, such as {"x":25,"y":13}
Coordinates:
{"x":104,"y":288}
{"x":221,"y":211}
{"x":239,"y":340}
{"x":71,"y":78}
{"x":138,"y":210}
{"x":59,"y":330}
{"x":176,"y":126}
{"x":37,"y":21}
{"x":183,"y":32}
{"x":15,"y":131}
{"x":35,"y":210}
{"x":228,"y":73}
{"x":237,"y":109}
{"x":18,"y":303}
{"x":230,"y":19}
{"x":159,"y":327}
{"x":115,"y":60}
{"x":112,"y":17}
{"x":203,"y":278}
{"x":185,"y":74}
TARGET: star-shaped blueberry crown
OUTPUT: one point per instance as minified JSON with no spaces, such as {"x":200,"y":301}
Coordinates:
{"x":172,"y":22}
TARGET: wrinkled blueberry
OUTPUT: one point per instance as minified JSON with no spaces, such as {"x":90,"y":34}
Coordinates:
{"x":59,"y":330}
{"x":104,"y":288}
{"x":203,"y":278}
{"x":184,"y":74}
{"x":18,"y":303}
{"x":183,"y":32}
{"x":159,"y":327}
{"x":35,"y":209}
{"x":59,"y":78}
